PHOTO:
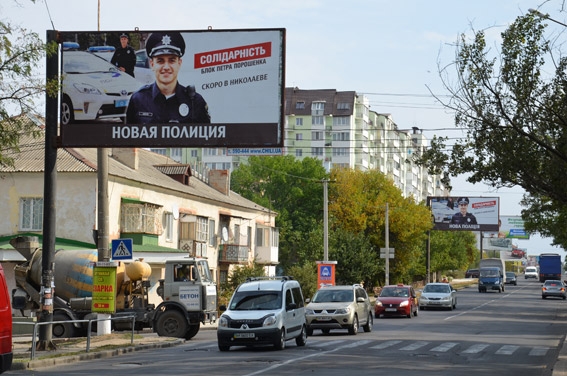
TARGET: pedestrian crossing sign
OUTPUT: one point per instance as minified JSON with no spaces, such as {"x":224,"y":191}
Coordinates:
{"x":122,"y":249}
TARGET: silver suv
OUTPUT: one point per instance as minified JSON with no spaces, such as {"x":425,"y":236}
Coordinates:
{"x":339,"y":307}
{"x":263,"y":311}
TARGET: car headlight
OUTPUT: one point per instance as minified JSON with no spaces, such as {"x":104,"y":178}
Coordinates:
{"x":423,"y":298}
{"x":404,"y":303}
{"x":309,"y":311}
{"x":446,"y":298}
{"x":379,"y":303}
{"x":223,"y":322}
{"x":342,"y":311}
{"x":86,"y":89}
{"x":269,"y":321}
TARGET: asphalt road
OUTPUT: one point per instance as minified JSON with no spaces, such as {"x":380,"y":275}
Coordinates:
{"x":505,"y":334}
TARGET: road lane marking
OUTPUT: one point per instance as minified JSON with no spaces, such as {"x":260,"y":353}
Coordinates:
{"x":539,"y":351}
{"x":475,"y":349}
{"x":415,"y":346}
{"x":385,"y":345}
{"x":507,"y":350}
{"x":444,"y":347}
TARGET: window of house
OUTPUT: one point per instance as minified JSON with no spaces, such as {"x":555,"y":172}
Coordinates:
{"x":316,"y":152}
{"x":299,"y":136}
{"x":175,"y":154}
{"x":212,"y":235}
{"x":341,"y":136}
{"x":318,"y":107}
{"x":202,"y":229}
{"x":317,"y":136}
{"x":275,"y":238}
{"x":341,"y":120}
{"x":31,"y":214}
{"x":343,"y":106}
{"x":262,"y":236}
{"x":298,"y":152}
{"x":317,"y":120}
{"x":299,"y":121}
{"x":236,"y":234}
{"x":223,"y":276}
{"x":168,"y":224}
{"x":194,"y":153}
{"x":140,"y":217}
{"x":300,"y":105}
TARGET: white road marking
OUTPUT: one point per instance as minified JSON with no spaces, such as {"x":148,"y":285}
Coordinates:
{"x":507,"y":350}
{"x":385,"y":345}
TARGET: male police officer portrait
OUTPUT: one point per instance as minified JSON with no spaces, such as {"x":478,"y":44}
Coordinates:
{"x":166,"y":101}
{"x":463,"y":217}
{"x":124,"y":57}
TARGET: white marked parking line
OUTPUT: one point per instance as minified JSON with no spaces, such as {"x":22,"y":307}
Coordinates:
{"x":475,"y":349}
{"x":507,"y":350}
{"x":539,"y":351}
{"x":444,"y":347}
{"x":385,"y":345}
{"x":414,"y":346}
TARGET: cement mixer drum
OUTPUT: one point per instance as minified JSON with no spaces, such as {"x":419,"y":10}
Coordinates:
{"x":138,"y":270}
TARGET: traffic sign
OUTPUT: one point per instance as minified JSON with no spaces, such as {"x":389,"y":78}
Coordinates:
{"x":122,"y":249}
{"x":384,"y":251}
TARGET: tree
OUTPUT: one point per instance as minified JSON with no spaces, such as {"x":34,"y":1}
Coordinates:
{"x":357,"y":204}
{"x":514,"y":112}
{"x":452,"y":250}
{"x":293,"y":189}
{"x":20,"y":87}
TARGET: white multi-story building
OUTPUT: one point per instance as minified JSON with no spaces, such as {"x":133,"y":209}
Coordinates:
{"x":339,"y":128}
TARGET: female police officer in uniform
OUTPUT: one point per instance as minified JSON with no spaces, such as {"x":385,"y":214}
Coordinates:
{"x":166,"y":101}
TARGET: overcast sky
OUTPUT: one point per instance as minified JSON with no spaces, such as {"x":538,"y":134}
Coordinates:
{"x":389,"y":50}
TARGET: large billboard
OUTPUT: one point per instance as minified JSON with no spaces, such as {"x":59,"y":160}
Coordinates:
{"x":464,"y":213}
{"x":209,"y":88}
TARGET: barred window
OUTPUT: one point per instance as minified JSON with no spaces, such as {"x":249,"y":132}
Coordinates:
{"x":141,"y":218}
{"x":31,"y":214}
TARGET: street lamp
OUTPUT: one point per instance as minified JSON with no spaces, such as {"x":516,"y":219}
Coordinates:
{"x":546,"y":16}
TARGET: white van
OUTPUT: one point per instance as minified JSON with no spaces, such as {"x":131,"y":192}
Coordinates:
{"x":531,"y":272}
{"x":263,"y":311}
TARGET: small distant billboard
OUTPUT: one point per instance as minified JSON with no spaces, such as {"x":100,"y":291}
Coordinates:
{"x":197,"y":88}
{"x":511,"y":227}
{"x":464,"y":213}
{"x":253,"y":151}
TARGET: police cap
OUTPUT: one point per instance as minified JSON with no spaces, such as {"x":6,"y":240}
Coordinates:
{"x":124,"y":35}
{"x":165,"y":43}
{"x":463,"y":200}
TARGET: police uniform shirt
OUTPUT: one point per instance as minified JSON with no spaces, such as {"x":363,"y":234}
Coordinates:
{"x":149,"y":106}
{"x":125,"y":57}
{"x":467,"y":219}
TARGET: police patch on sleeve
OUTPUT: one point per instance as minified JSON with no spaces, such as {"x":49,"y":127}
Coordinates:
{"x":183,"y":109}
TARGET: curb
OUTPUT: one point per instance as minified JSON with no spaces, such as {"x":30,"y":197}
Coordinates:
{"x":48,"y":362}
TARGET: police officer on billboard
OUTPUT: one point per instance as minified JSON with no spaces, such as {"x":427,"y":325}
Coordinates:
{"x":166,"y":101}
{"x":463,"y":217}
{"x":124,"y":57}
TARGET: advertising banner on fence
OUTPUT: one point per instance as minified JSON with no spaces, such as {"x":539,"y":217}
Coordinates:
{"x":464,"y":213}
{"x":209,"y":88}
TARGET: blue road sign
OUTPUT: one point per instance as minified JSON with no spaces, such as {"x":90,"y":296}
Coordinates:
{"x":122,"y":249}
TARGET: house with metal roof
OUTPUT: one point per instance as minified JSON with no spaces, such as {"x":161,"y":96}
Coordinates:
{"x":166,"y":208}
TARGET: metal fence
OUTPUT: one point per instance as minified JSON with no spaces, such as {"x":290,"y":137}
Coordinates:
{"x":36,"y":326}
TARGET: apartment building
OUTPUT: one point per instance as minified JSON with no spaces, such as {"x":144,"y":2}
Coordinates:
{"x":340,"y":129}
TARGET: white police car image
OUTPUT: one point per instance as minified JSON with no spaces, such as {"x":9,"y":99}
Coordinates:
{"x":93,"y":88}
{"x":263,"y":311}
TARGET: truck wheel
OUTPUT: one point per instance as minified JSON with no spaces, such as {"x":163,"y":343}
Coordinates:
{"x":171,"y":324}
{"x":192,"y":331}
{"x":66,"y":330}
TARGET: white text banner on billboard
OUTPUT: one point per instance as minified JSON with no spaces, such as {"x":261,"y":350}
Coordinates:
{"x":209,"y":88}
{"x":464,"y":213}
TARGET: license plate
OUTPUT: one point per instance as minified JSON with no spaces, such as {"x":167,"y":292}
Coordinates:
{"x":391,"y":309}
{"x":323,"y":318}
{"x":434,"y":302}
{"x":244,"y":335}
{"x":121,"y":103}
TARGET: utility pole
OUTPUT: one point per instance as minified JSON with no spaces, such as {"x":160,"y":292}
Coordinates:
{"x":325,"y":220}
{"x":387,"y":239}
{"x":103,"y":327}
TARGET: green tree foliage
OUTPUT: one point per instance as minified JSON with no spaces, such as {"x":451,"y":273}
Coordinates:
{"x":452,"y":250}
{"x":238,"y":276}
{"x":293,"y":189}
{"x":358,"y":205}
{"x":512,"y":103}
{"x":20,"y":86}
{"x":306,"y":275}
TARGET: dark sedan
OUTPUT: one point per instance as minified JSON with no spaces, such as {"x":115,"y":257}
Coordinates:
{"x":472,"y":273}
{"x":511,"y":278}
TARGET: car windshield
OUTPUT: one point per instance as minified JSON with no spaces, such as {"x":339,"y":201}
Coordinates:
{"x":511,"y":275}
{"x":436,"y":288}
{"x":328,"y":296}
{"x":253,"y":301}
{"x":85,"y":62}
{"x":489,"y":273}
{"x":394,"y":292}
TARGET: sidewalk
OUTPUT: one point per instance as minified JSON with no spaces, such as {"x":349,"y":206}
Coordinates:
{"x":70,"y":350}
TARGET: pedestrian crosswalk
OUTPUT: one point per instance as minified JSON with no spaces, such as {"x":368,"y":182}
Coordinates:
{"x":465,"y":348}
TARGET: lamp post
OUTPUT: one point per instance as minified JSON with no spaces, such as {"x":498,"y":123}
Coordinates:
{"x":546,"y":16}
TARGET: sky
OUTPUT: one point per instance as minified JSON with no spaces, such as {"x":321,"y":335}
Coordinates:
{"x":390,"y":51}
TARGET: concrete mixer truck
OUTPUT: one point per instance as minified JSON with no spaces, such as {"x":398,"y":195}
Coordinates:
{"x":187,"y":291}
